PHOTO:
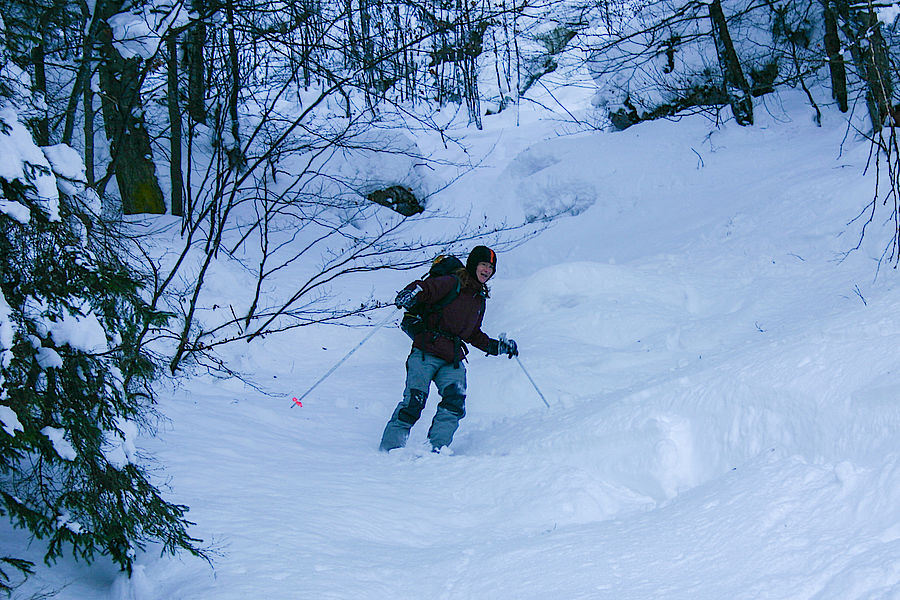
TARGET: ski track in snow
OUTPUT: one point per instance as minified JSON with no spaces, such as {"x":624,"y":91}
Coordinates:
{"x":723,"y":417}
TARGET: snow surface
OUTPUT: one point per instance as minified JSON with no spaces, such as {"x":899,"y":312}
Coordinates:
{"x":62,"y":446}
{"x":723,"y":392}
{"x":119,"y":449}
{"x":68,"y":166}
{"x":140,"y":33}
{"x":81,"y":332}
{"x":21,"y":159}
{"x":9,"y":420}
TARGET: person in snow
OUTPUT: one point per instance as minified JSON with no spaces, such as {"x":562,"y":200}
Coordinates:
{"x":439,"y":352}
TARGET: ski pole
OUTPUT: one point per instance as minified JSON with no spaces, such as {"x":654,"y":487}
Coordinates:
{"x":532,"y":381}
{"x":340,"y":362}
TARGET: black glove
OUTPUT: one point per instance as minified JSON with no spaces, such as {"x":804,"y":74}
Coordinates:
{"x":406,"y":298}
{"x":507,"y":346}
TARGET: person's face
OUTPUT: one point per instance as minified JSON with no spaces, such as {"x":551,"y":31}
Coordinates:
{"x":483,"y":271}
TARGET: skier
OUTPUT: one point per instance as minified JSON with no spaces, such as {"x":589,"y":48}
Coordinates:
{"x":438,"y":352}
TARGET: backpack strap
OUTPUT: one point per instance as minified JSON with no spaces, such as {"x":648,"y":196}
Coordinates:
{"x":415,"y":320}
{"x":450,"y":297}
{"x":437,"y":308}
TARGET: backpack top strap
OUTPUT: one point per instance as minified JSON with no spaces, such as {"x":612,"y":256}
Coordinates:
{"x":450,"y":297}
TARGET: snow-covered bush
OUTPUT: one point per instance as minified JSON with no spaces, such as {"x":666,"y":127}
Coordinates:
{"x":664,"y":59}
{"x":74,"y":383}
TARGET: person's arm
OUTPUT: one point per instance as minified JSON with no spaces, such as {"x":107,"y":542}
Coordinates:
{"x":500,"y":346}
{"x":434,"y":289}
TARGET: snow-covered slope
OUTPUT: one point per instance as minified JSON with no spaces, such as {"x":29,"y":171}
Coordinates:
{"x":724,"y":409}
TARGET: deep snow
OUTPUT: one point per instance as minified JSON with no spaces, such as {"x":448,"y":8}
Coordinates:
{"x":723,"y":391}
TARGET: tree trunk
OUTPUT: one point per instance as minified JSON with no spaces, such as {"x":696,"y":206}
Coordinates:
{"x":195,"y":42}
{"x":236,"y":157}
{"x":132,"y":155}
{"x":352,"y":39}
{"x":870,"y":56}
{"x":88,"y":103}
{"x":175,"y":127}
{"x":81,"y":89}
{"x":471,"y":44}
{"x":368,"y":52}
{"x":835,"y":58}
{"x":736,"y":87}
{"x":877,"y":68}
{"x":39,"y":85}
{"x":77,"y":91}
{"x":84,"y":81}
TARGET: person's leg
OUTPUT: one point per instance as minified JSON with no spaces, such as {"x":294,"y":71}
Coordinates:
{"x":420,"y":369}
{"x":451,"y":384}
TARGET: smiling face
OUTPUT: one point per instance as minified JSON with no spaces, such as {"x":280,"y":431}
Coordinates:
{"x":484,"y":271}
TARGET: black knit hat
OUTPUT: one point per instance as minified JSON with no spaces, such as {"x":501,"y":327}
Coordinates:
{"x":480,"y":254}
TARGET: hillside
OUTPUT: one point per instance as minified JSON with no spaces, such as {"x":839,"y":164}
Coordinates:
{"x":722,"y":389}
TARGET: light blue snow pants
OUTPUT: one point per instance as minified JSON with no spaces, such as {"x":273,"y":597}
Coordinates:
{"x":421,"y":369}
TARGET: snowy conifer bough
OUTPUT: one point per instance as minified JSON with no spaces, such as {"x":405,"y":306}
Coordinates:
{"x":73,"y":384}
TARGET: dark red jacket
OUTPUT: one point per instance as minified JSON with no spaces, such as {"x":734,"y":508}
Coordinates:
{"x":459,"y":321}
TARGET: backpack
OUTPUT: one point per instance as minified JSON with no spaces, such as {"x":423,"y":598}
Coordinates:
{"x":415,"y":320}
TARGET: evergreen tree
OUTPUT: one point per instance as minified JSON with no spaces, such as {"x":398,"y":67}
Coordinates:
{"x":74,"y":384}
